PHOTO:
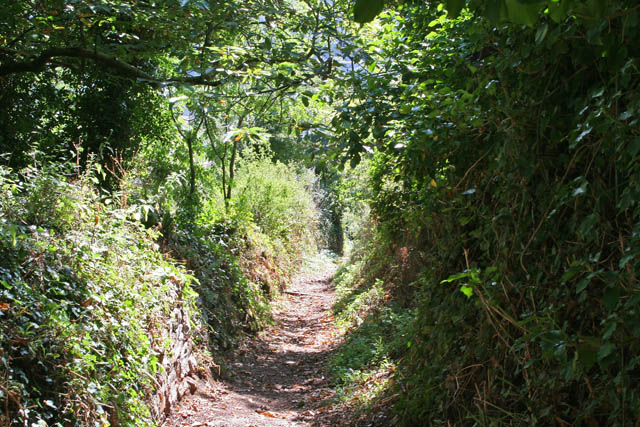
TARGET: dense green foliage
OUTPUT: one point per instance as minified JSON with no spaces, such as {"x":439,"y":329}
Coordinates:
{"x":523,"y":12}
{"x":244,"y":256}
{"x":506,"y":177}
{"x":375,"y":323}
{"x":85,"y":295}
{"x":167,"y":111}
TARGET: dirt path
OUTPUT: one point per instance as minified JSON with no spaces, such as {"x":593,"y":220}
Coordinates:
{"x":278,"y":378}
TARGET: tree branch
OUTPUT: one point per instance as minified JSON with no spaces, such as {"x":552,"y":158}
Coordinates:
{"x":40,"y":62}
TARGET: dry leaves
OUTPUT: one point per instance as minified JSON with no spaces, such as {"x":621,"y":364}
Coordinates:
{"x":270,"y":414}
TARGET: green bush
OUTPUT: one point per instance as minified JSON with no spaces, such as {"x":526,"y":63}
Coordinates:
{"x":243,"y":255}
{"x":84,"y":292}
{"x":374,"y":320}
{"x":230,"y":302}
{"x":279,"y":199}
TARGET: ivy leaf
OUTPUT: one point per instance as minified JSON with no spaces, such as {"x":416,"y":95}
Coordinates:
{"x":588,"y":351}
{"x":365,"y":10}
{"x":454,"y":7}
{"x":606,"y":349}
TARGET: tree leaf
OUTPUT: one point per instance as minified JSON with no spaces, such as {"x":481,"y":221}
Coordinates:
{"x":467,"y":290}
{"x":365,"y":10}
{"x":541,"y":33}
{"x":456,"y":276}
{"x":454,"y":7}
{"x":521,"y":13}
{"x":610,"y":298}
{"x":558,"y":11}
{"x":496,"y":11}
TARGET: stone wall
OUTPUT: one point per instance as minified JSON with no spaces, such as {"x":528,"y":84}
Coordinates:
{"x":179,"y":364}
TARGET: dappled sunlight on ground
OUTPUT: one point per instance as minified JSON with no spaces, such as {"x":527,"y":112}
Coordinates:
{"x":278,"y":378}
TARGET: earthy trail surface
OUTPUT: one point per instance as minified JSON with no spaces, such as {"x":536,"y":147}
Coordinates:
{"x":278,"y":378}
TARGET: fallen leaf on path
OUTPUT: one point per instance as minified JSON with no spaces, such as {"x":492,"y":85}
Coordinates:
{"x":186,"y":413}
{"x":269,"y":414}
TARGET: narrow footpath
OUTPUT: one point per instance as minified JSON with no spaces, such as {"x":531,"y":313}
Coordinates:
{"x":278,"y":378}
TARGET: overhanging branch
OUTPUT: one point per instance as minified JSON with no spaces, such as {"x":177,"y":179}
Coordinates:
{"x":47,"y":57}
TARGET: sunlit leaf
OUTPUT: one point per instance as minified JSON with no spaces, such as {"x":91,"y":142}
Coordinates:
{"x":467,"y":290}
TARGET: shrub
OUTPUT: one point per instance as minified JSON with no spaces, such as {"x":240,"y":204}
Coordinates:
{"x":279,"y":198}
{"x":84,"y":293}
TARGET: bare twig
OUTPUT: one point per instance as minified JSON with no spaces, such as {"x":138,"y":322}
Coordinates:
{"x":472,"y":167}
{"x":546,"y":212}
{"x":303,"y":294}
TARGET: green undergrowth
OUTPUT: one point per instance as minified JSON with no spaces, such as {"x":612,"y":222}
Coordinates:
{"x":245,"y":255}
{"x":229,"y":301}
{"x":506,"y":184}
{"x":84,"y":296}
{"x":374,"y":324}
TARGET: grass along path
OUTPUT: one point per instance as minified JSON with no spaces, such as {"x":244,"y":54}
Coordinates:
{"x":278,"y":378}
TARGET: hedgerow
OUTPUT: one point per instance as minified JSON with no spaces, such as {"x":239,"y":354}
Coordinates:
{"x":84,"y":297}
{"x":506,"y":168}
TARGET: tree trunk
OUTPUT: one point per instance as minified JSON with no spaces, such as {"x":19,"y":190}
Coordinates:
{"x":232,"y":162}
{"x":192,"y":168}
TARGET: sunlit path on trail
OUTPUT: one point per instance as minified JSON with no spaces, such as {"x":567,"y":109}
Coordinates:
{"x":278,"y":378}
